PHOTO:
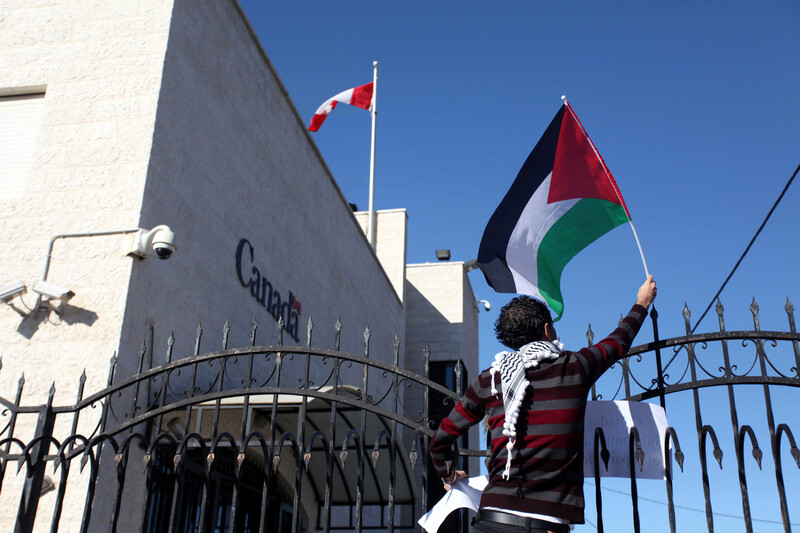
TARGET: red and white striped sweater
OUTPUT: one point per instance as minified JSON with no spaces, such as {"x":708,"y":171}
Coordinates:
{"x":547,"y":461}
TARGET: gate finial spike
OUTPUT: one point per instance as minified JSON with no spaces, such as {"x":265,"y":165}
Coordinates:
{"x":687,"y":316}
{"x":226,"y":329}
{"x":718,"y":456}
{"x":720,"y":314}
{"x":112,"y":366}
{"x":142,"y":352}
{"x":170,"y":344}
{"x":253,"y":328}
{"x":197,"y":337}
{"x":276,"y":461}
{"x":758,"y":455}
{"x":756,"y":320}
{"x":795,"y":451}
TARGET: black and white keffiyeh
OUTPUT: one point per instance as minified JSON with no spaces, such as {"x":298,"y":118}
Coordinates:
{"x":514,"y":384}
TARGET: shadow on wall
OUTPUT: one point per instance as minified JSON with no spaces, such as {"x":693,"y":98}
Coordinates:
{"x":68,"y":315}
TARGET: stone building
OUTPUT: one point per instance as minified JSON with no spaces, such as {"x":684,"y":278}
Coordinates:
{"x":117,"y":116}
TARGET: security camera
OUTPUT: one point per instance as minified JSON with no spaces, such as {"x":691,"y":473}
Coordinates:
{"x":9,"y":292}
{"x":164,"y":243}
{"x":161,"y":239}
{"x":52,"y":291}
{"x":486,"y":304}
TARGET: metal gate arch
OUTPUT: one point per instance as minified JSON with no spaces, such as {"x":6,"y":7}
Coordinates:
{"x":134,"y":411}
{"x":364,"y":419}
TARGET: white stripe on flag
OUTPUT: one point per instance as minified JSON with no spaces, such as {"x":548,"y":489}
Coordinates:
{"x":345,"y":97}
{"x":523,"y":246}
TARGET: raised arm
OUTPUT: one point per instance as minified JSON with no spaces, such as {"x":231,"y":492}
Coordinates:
{"x":596,"y":359}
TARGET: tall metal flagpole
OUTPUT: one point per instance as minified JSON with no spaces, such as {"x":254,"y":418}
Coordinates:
{"x":374,"y":113}
{"x":633,"y":228}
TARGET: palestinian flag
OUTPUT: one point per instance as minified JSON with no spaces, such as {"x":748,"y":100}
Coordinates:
{"x":563,"y":199}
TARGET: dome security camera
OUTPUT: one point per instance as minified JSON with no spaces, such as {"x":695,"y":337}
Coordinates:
{"x":164,"y":243}
{"x":160,"y":239}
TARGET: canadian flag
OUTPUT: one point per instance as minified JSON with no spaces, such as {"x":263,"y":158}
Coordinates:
{"x":358,"y":96}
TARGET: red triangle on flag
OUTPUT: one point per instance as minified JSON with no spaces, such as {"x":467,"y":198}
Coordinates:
{"x":578,"y":170}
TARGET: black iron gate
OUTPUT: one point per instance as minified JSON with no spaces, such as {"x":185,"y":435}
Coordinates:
{"x":297,"y":438}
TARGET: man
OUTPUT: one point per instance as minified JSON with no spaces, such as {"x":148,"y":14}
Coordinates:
{"x":535,"y":398}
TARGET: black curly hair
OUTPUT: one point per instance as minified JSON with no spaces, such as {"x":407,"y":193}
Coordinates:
{"x":522,"y":321}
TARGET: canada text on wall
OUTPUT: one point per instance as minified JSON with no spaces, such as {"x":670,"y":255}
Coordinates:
{"x":262,"y":290}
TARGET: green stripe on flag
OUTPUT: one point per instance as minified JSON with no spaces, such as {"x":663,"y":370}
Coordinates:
{"x":587,"y":221}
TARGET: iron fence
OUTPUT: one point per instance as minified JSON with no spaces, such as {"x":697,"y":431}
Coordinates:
{"x":299,"y":438}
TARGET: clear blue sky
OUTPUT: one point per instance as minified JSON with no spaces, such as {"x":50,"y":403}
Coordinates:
{"x":694,"y":107}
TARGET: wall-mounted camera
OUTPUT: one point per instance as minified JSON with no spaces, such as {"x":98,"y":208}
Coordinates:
{"x":51,"y":291}
{"x":47,"y":293}
{"x":9,"y":292}
{"x":161,"y":240}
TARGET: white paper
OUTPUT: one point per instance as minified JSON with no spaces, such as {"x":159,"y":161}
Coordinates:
{"x":465,"y":493}
{"x":616,"y":419}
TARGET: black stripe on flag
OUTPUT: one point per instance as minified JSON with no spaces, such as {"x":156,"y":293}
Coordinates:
{"x":538,"y":165}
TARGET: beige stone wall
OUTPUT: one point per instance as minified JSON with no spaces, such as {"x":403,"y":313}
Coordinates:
{"x":390,"y":243}
{"x":441,"y":311}
{"x":99,"y":65}
{"x":471,"y":309}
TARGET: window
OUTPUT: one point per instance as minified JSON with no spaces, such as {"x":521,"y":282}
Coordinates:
{"x":20,"y":122}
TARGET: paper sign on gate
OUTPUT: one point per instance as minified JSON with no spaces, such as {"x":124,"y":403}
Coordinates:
{"x":616,"y":419}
